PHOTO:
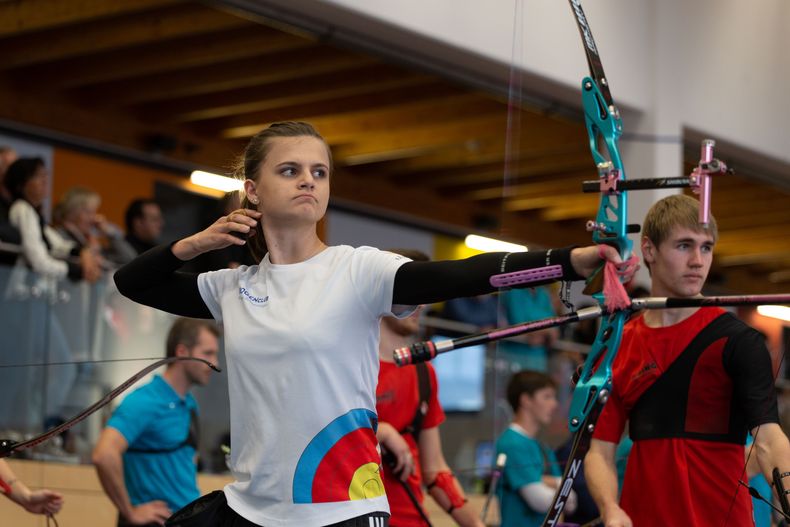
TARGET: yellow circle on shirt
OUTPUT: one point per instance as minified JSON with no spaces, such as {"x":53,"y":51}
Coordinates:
{"x":366,"y":483}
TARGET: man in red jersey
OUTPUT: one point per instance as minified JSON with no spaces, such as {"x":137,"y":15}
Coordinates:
{"x":690,"y":383}
{"x":409,"y":414}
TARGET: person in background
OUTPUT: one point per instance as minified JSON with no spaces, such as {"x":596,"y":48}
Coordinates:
{"x":526,"y":305}
{"x":144,"y":223}
{"x":407,"y":403}
{"x":78,"y":219}
{"x":146,"y":457}
{"x":690,"y":383}
{"x":42,"y":247}
{"x":8,"y":233}
{"x":42,"y":501}
{"x":481,"y":311}
{"x":532,"y":474}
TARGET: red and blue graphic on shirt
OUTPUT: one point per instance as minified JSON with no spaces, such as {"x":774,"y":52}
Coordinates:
{"x":341,"y":463}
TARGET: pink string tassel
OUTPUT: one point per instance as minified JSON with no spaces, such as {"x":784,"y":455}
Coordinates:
{"x":615,"y":295}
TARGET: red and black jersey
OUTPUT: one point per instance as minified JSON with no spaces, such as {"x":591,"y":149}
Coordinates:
{"x":397,"y":401}
{"x":690,"y":392}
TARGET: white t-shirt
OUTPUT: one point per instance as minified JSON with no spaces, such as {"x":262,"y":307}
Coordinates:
{"x":301,"y":342}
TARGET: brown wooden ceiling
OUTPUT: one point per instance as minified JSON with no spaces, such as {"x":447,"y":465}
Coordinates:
{"x":191,"y":82}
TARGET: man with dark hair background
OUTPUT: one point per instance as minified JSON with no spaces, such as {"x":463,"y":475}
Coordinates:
{"x":144,"y":224}
{"x":532,"y":474}
{"x":146,"y":457}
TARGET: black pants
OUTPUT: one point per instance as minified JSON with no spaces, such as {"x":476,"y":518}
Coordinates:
{"x":124,"y":523}
{"x":212,"y":510}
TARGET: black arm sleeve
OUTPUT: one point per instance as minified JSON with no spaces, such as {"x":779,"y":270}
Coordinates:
{"x":153,"y":279}
{"x":429,"y":282}
{"x":748,"y":362}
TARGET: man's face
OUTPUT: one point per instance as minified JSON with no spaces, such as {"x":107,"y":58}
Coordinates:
{"x":542,"y":404}
{"x":206,"y":348}
{"x":679,"y":266}
{"x":148,"y":227}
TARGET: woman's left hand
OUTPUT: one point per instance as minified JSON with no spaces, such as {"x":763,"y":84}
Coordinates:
{"x":43,"y":502}
{"x":586,"y":260}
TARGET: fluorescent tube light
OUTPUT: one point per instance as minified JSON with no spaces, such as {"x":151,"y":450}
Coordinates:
{"x":215,"y":181}
{"x":780,"y":312}
{"x":481,"y":243}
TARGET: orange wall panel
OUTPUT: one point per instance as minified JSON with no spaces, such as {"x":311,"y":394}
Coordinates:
{"x":117,"y":182}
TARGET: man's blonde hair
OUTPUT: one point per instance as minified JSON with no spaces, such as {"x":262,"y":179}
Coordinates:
{"x":678,"y":210}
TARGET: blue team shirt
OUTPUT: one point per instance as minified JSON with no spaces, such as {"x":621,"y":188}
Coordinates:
{"x":527,"y":462}
{"x":155,"y":417}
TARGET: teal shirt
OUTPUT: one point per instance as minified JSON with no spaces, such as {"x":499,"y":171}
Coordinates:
{"x":526,"y":305}
{"x":155,"y":418}
{"x":527,"y":462}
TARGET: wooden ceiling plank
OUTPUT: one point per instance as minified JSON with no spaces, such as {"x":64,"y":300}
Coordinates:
{"x":57,"y":114}
{"x":247,"y":125}
{"x":100,"y":36}
{"x":34,"y":15}
{"x":281,"y":93}
{"x":229,"y":75}
{"x":147,"y":59}
{"x":461,"y":131}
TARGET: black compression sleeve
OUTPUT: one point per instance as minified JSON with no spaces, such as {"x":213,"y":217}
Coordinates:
{"x":429,"y":282}
{"x":153,"y":279}
{"x":748,"y":362}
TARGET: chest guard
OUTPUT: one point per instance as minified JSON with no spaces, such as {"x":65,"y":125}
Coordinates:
{"x":695,"y":397}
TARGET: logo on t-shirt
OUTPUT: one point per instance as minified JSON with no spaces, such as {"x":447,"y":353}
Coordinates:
{"x":257,"y":300}
{"x":647,"y":368}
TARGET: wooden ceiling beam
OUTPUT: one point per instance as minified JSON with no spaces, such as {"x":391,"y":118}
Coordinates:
{"x":250,"y":71}
{"x":544,"y":169}
{"x":729,"y":219}
{"x":743,"y":257}
{"x":147,"y":59}
{"x":556,"y":186}
{"x":103,"y":35}
{"x":403,"y":201}
{"x":56,"y":113}
{"x":484,"y":154}
{"x":557,"y":202}
{"x":460,"y":132}
{"x":247,"y":125}
{"x":455,"y":109}
{"x":283,"y":93}
{"x":23,"y":16}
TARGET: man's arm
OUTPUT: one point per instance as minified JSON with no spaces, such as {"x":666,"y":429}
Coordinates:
{"x":433,"y":466}
{"x":108,"y":458}
{"x":773,"y":450}
{"x":601,"y":473}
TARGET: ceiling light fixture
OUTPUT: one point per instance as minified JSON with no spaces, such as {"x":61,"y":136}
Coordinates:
{"x":780,"y":312}
{"x":481,"y":243}
{"x":215,"y":181}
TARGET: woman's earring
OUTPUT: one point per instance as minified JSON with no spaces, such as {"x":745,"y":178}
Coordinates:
{"x":254,"y":201}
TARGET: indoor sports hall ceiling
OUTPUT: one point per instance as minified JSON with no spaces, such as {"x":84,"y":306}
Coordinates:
{"x":190,"y":81}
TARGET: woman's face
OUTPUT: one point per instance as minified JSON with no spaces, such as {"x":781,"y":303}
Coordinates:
{"x":293,"y":183}
{"x":35,"y":189}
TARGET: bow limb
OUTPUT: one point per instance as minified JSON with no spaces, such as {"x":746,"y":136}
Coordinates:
{"x":7,"y":447}
{"x":604,"y":128}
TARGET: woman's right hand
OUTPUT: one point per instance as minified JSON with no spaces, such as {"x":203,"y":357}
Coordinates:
{"x":219,"y":234}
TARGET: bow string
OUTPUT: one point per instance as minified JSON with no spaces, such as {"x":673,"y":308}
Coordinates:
{"x":8,"y":447}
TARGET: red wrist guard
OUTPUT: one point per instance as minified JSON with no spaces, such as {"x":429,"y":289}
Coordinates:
{"x":445,"y":481}
{"x":5,"y":487}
